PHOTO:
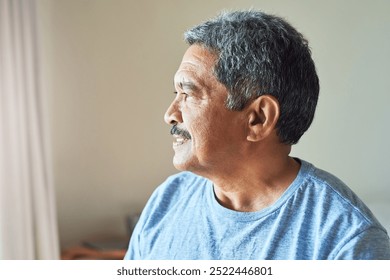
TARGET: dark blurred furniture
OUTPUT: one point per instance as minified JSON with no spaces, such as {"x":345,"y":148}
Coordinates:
{"x":97,"y":250}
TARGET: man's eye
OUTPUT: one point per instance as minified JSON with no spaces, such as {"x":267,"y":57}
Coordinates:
{"x":176,"y":93}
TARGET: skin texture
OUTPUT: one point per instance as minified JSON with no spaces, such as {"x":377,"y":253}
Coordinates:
{"x":239,"y":151}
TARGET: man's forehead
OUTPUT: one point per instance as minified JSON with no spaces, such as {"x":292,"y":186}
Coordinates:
{"x":197,"y":58}
{"x":198,"y":54}
{"x":196,"y":62}
{"x":186,"y":79}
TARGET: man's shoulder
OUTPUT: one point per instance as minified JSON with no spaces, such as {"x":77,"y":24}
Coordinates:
{"x":334,"y":195}
{"x":182,"y":180}
{"x":171,"y":195}
{"x":183,"y":177}
{"x":326,"y":181}
{"x":334,"y":187}
{"x":180,"y":184}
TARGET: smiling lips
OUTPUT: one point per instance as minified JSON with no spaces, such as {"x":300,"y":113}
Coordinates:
{"x":179,"y":140}
{"x":180,"y":135}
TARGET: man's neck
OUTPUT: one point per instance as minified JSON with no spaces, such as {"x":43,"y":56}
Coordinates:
{"x":255,"y":186}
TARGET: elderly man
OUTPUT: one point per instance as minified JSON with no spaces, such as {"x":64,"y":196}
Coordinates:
{"x":246,"y":91}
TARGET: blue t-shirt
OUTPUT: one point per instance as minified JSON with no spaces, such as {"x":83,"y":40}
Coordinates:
{"x":317,"y":217}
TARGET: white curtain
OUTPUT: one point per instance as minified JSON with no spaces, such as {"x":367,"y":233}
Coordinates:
{"x":28,"y":222}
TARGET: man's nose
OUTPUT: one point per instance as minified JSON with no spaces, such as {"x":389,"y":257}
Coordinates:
{"x":173,"y":114}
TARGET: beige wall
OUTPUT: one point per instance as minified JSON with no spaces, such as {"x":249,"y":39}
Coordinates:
{"x":108,"y":68}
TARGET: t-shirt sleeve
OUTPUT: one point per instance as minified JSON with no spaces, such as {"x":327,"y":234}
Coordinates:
{"x":371,"y":244}
{"x":133,"y":251}
{"x":152,"y":213}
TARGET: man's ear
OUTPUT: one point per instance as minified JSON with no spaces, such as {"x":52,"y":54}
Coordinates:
{"x":263,"y":114}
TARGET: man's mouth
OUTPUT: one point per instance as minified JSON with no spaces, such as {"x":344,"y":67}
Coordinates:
{"x":179,"y":140}
{"x":180,"y":135}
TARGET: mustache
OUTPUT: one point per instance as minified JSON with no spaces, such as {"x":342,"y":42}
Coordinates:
{"x":178,"y":131}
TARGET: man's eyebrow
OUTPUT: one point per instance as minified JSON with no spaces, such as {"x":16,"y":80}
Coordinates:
{"x":187,"y":84}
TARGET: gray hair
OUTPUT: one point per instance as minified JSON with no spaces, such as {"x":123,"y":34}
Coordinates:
{"x":262,"y":54}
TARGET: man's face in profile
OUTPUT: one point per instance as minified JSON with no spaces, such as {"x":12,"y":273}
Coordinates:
{"x":213,"y":134}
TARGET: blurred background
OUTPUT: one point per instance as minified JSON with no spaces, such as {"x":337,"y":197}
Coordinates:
{"x":106,"y":78}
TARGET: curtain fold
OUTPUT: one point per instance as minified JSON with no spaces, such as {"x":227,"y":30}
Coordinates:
{"x":28,"y":221}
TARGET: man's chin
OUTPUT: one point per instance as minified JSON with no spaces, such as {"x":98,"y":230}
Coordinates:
{"x":182,"y":164}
